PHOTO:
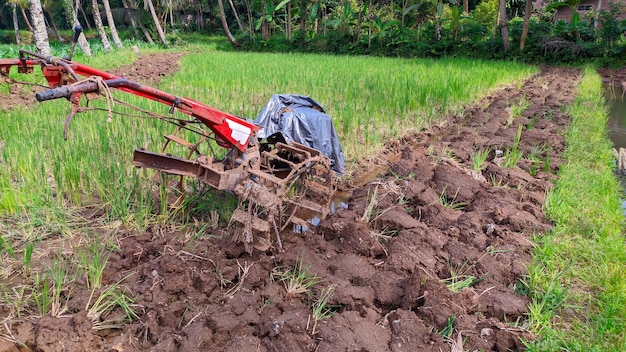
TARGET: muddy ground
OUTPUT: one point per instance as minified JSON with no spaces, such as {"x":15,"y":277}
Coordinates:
{"x":425,"y":223}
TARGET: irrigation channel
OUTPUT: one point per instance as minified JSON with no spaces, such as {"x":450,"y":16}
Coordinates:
{"x":616,"y":99}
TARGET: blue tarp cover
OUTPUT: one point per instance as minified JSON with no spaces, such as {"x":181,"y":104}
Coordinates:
{"x":301,"y":119}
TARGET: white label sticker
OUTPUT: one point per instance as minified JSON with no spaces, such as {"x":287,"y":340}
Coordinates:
{"x":240,"y":133}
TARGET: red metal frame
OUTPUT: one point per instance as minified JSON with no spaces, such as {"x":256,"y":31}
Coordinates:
{"x":233,"y":131}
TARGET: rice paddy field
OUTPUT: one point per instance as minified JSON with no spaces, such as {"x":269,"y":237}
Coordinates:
{"x":89,"y":248}
{"x":372,"y":101}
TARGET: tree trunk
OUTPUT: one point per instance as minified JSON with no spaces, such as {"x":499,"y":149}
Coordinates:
{"x":303,"y":14}
{"x":157,"y":24}
{"x":54,"y":25}
{"x":232,"y":6}
{"x":111,"y":23}
{"x":72,"y":20}
{"x":133,"y":23}
{"x":79,"y":7}
{"x":130,"y":4}
{"x":527,"y":11}
{"x":231,"y":38}
{"x":40,"y":33}
{"x":265,"y":26}
{"x":359,"y":21}
{"x":100,"y":27}
{"x":288,"y":22}
{"x":16,"y":24}
{"x":30,"y":26}
{"x":504,"y":25}
{"x":466,"y":7}
{"x":199,"y":16}
{"x":596,"y":23}
{"x":250,"y":19}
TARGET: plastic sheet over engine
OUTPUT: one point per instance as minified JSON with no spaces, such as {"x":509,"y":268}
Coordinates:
{"x":301,"y":119}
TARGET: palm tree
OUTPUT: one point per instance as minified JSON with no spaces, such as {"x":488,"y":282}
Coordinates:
{"x":109,"y":14}
{"x":99,"y":26}
{"x":16,"y":25}
{"x":230,"y":36}
{"x":72,"y":20}
{"x":22,"y":4}
{"x":157,"y":24}
{"x":46,"y":11}
{"x":527,"y":12}
{"x":135,"y":20}
{"x":40,"y":33}
{"x":504,"y":25}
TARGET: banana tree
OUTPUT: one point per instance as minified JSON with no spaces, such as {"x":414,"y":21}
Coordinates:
{"x":380,"y":29}
{"x":16,"y":24}
{"x":345,"y":19}
{"x":456,"y":12}
{"x":268,"y":17}
{"x":572,"y":4}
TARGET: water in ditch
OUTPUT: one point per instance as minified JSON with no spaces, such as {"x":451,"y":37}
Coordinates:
{"x":616,"y":99}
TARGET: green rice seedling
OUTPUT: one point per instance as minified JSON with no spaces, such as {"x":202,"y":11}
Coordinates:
{"x":41,"y":294}
{"x":320,"y":309}
{"x":547,"y":301}
{"x":6,"y":247}
{"x":27,"y":257}
{"x":108,"y":300}
{"x":93,"y":261}
{"x":516,"y":110}
{"x":449,"y":328}
{"x":59,"y":277}
{"x":546,"y":163}
{"x":537,"y":151}
{"x":479,"y":157}
{"x":371,"y":206}
{"x":533,"y":121}
{"x":298,"y":279}
{"x":534,"y":157}
{"x":513,"y":155}
{"x":497,"y":182}
{"x":16,"y":300}
{"x":459,"y":276}
{"x":451,"y":203}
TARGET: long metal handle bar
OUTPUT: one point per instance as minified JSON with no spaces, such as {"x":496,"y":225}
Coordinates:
{"x":234,"y":131}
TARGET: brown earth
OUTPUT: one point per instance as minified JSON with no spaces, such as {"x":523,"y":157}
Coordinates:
{"x":390,"y":255}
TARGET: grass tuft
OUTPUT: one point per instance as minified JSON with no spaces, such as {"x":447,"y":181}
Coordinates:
{"x":298,"y":279}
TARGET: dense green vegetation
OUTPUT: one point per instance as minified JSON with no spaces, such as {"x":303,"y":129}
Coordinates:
{"x":407,"y":28}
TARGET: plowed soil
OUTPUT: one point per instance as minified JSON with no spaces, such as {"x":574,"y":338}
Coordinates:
{"x":428,"y":255}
